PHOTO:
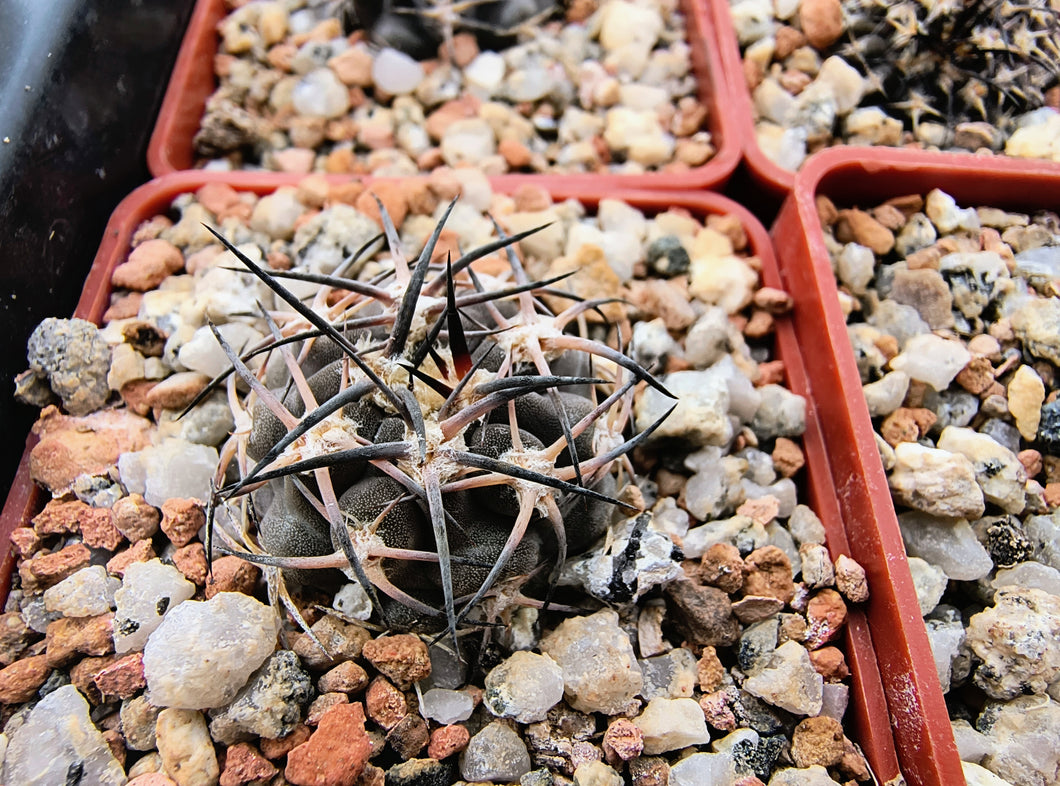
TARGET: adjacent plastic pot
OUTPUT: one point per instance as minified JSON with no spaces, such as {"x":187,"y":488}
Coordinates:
{"x":867,"y":716}
{"x":769,"y":176}
{"x":868,"y":176}
{"x":193,"y":82}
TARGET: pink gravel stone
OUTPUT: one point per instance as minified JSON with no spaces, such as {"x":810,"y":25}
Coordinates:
{"x":402,"y":658}
{"x":335,"y":754}
{"x":124,"y":678}
{"x":447,"y":740}
{"x":182,"y":519}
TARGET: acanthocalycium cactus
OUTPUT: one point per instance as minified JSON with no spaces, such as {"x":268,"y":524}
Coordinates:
{"x":435,"y":441}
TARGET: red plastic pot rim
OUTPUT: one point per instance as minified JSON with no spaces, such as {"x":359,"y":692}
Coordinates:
{"x":773,"y":178}
{"x":868,"y":176}
{"x":192,"y":82}
{"x":868,"y":709}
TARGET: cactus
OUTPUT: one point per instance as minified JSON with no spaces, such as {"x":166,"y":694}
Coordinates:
{"x":956,"y":61}
{"x":418,"y":27}
{"x":435,"y":441}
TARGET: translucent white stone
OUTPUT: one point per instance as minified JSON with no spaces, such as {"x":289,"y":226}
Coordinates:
{"x":616,"y":215}
{"x":624,"y":23}
{"x":497,"y":753}
{"x":395,"y":72}
{"x":971,"y":744}
{"x":468,"y":141}
{"x":446,"y":706}
{"x":709,"y":339}
{"x":780,"y":413}
{"x":772,"y":101}
{"x":1026,"y":736}
{"x":847,"y":85}
{"x":717,"y":769}
{"x":835,"y":696}
{"x":149,"y":591}
{"x":600,"y":670}
{"x":320,"y":93}
{"x":814,"y":775}
{"x":702,"y":413}
{"x":524,"y":687}
{"x":946,"y":543}
{"x":276,"y":215}
{"x":945,"y":639}
{"x":998,"y":472}
{"x":784,"y":491}
{"x":942,"y":209}
{"x":86,"y":593}
{"x":35,"y":615}
{"x":856,"y":266}
{"x":486,"y":72}
{"x":204,"y":354}
{"x":204,"y":651}
{"x":57,"y":736}
{"x":173,"y":469}
{"x":669,"y":676}
{"x":936,"y":482}
{"x":789,"y":681}
{"x":1039,"y":265}
{"x":974,"y":775}
{"x":932,"y":359}
{"x":753,"y":19}
{"x":805,"y":526}
{"x":742,"y":531}
{"x":725,"y":280}
{"x":886,"y":394}
{"x":929,"y":582}
{"x":672,"y":724}
{"x":1044,"y":532}
{"x":353,"y":601}
{"x":669,"y":519}
{"x":528,"y":84}
{"x":1029,"y":574}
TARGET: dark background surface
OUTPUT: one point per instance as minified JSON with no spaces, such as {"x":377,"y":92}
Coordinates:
{"x":81,"y":82}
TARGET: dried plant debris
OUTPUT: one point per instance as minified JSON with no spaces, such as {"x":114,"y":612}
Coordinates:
{"x":976,"y":76}
{"x":601,"y":87}
{"x":431,"y":559}
{"x":953,"y":318}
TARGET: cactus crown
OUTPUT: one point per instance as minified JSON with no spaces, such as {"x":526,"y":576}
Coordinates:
{"x":434,"y":440}
{"x":956,"y":61}
{"x":417,"y":27}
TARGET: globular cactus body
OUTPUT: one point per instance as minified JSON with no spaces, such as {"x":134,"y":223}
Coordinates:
{"x":417,"y":27}
{"x":423,"y":441}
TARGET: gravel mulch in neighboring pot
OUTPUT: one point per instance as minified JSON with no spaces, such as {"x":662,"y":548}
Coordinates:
{"x":978,"y":77}
{"x":601,"y":87}
{"x":953,"y":316}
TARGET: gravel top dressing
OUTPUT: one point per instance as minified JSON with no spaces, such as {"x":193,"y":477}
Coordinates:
{"x":978,"y":77}
{"x":954,"y":317}
{"x":629,"y":588}
{"x":602,"y":87}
